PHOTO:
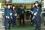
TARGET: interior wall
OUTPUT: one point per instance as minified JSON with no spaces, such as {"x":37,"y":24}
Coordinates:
{"x":26,"y":6}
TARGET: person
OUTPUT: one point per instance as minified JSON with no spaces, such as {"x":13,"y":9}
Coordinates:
{"x":36,"y":16}
{"x":8,"y":14}
{"x":32,"y":22}
{"x":5,"y":21}
{"x":14,"y":16}
{"x":11,"y":14}
{"x":20,"y":12}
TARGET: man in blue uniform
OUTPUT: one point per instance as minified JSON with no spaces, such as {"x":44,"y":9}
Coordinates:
{"x":8,"y":15}
{"x":11,"y":13}
{"x":20,"y":11}
{"x":5,"y":21}
{"x":36,"y":16}
{"x":32,"y":22}
{"x":14,"y":16}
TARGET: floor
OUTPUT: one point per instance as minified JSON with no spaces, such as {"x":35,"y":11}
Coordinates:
{"x":22,"y":28}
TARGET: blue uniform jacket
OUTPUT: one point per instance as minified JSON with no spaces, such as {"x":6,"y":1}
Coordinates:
{"x":19,"y":11}
{"x":7,"y":12}
{"x":38,"y":10}
{"x":14,"y":12}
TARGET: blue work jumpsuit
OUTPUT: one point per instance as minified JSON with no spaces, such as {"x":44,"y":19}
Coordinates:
{"x":14,"y":18}
{"x":7,"y":20}
{"x":37,"y":18}
{"x":20,"y":12}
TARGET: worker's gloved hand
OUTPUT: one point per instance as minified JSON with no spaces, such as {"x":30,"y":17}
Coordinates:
{"x":16,"y":14}
{"x":7,"y":17}
{"x":35,"y":13}
{"x":10,"y":14}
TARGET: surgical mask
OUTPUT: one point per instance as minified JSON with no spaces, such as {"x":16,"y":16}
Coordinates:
{"x":8,"y":6}
{"x":36,"y":4}
{"x":13,"y":7}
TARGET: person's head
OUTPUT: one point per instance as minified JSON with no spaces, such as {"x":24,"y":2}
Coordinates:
{"x":36,"y":3}
{"x":21,"y":6}
{"x":9,"y":6}
{"x":14,"y":7}
{"x":33,"y":5}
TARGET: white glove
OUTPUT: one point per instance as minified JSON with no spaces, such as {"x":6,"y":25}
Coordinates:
{"x":16,"y":14}
{"x":7,"y":17}
{"x":10,"y":13}
{"x":35,"y":13}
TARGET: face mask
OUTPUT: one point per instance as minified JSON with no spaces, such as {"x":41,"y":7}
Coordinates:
{"x":13,"y":7}
{"x":8,"y":6}
{"x":36,"y":4}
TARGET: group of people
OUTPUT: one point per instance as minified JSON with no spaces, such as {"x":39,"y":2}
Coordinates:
{"x":10,"y":15}
{"x":11,"y":12}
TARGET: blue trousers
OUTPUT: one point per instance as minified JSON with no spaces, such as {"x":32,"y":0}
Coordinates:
{"x":37,"y":21}
{"x":6,"y":23}
{"x":14,"y":21}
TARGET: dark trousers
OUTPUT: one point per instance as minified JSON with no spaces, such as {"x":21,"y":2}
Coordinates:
{"x":21,"y":18}
{"x":32,"y":22}
{"x":14,"y":21}
{"x":6,"y":24}
{"x":37,"y":21}
{"x":10,"y":22}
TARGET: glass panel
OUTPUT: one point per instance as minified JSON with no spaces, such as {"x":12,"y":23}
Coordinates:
{"x":24,"y":1}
